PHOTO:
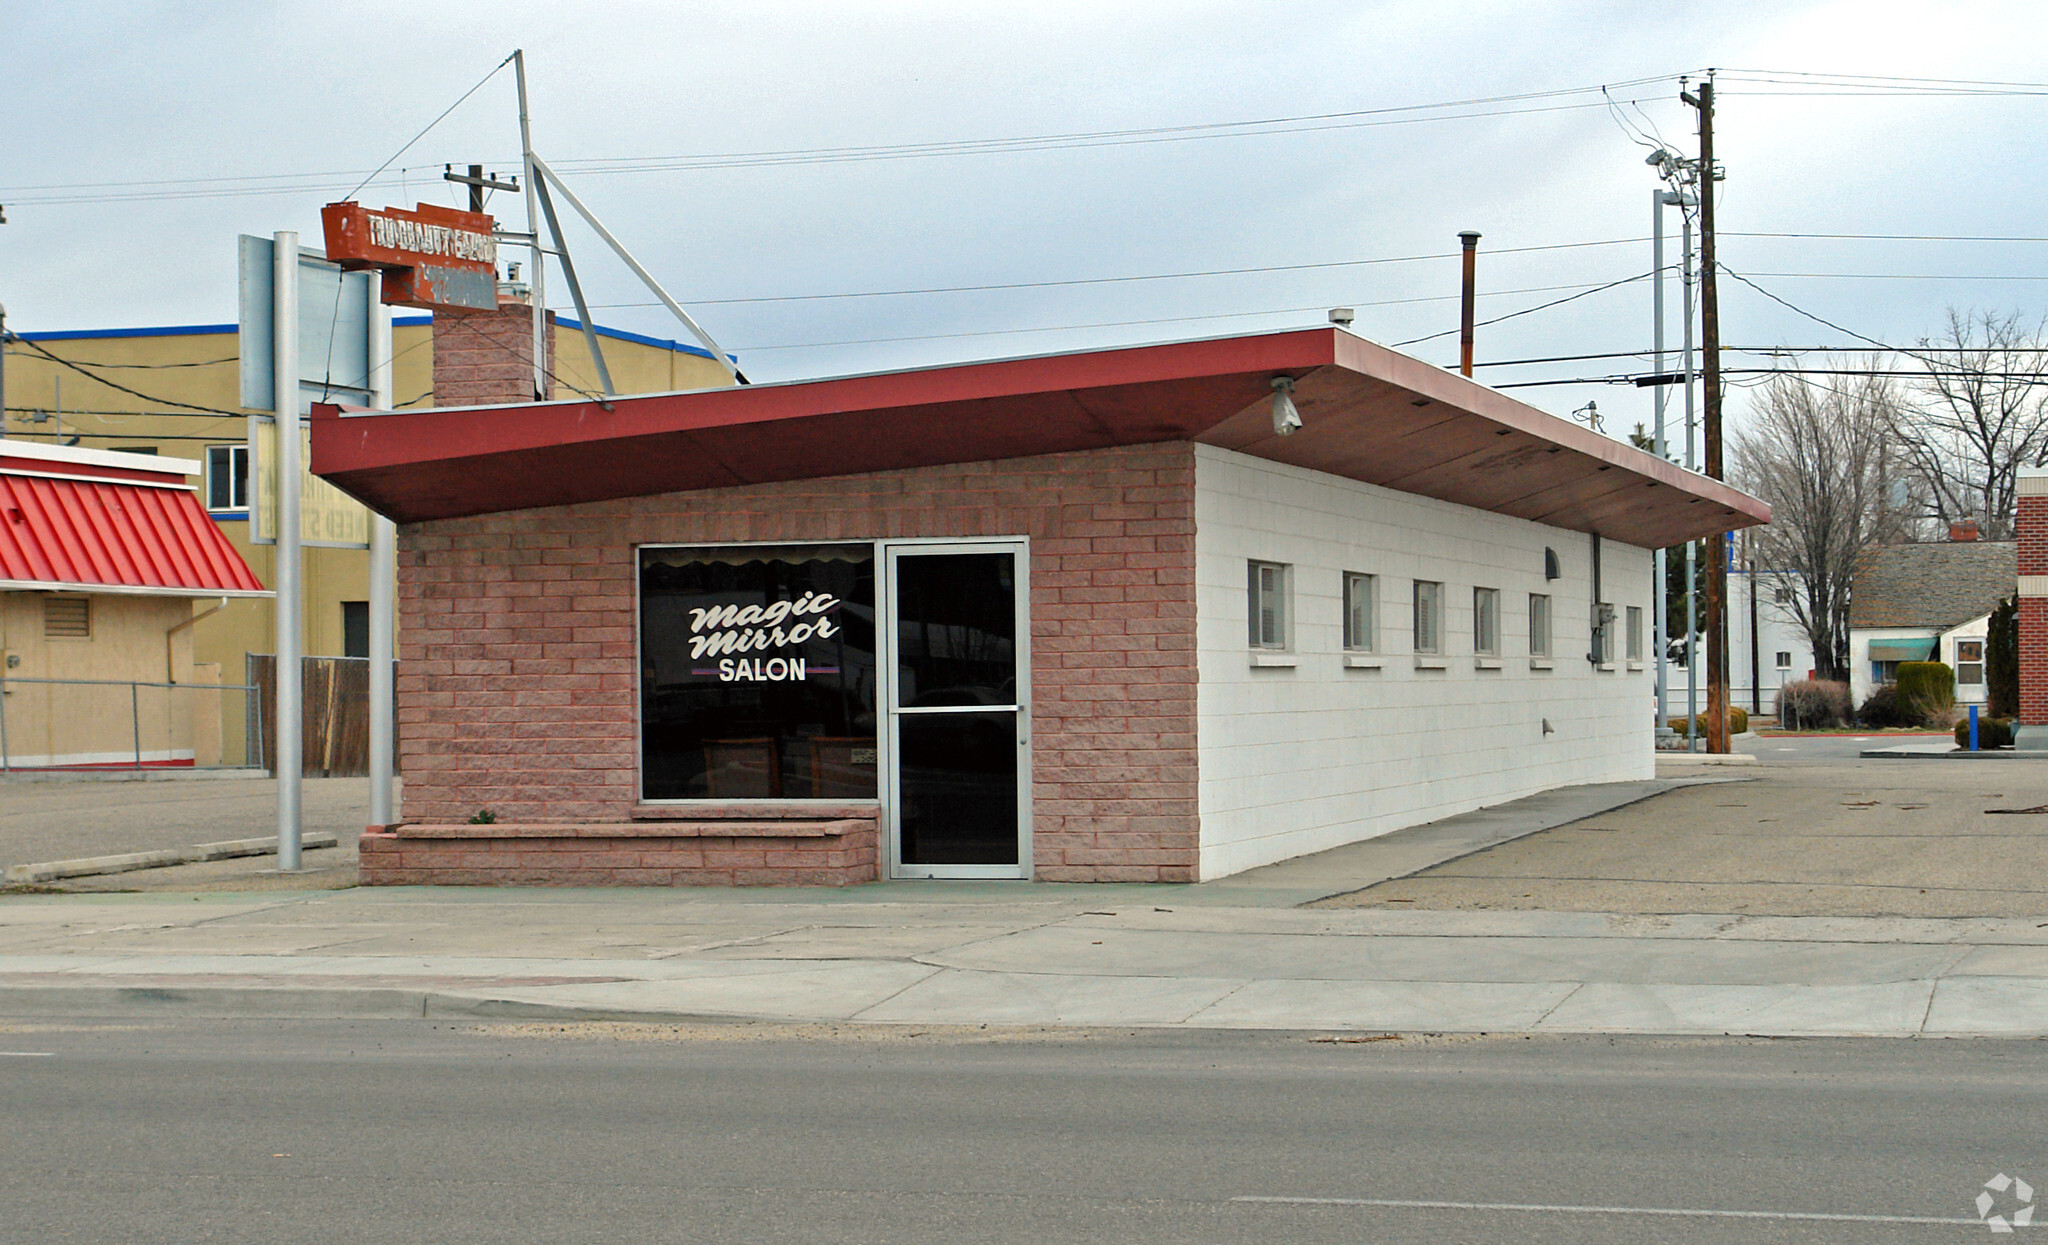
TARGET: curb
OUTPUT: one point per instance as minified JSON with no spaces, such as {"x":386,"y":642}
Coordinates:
{"x":92,"y":866}
{"x":309,"y":1003}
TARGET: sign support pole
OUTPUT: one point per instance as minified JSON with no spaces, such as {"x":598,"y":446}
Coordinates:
{"x":289,"y":604}
{"x":534,"y":165}
{"x":538,"y":283}
{"x":383,"y":576}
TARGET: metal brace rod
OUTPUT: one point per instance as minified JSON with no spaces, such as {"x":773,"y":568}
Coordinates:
{"x":547,"y":207}
{"x":541,"y":167}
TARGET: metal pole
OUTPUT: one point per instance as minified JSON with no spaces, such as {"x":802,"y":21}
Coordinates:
{"x":383,"y":574}
{"x":1692,"y":656}
{"x":5,"y":764}
{"x":284,"y":372}
{"x":3,"y":371}
{"x":1468,"y":241}
{"x":1659,"y":605}
{"x":646,"y":278}
{"x":539,"y":281}
{"x":547,"y":207}
{"x":135,"y":720}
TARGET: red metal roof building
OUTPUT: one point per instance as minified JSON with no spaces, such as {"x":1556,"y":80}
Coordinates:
{"x":1088,"y":616}
{"x":103,"y":556}
{"x":106,"y":521}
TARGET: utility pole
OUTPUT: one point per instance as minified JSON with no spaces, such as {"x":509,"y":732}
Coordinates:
{"x":477,"y":183}
{"x":1710,"y":350}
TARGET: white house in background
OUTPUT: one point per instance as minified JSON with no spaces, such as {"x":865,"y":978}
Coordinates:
{"x":1928,"y":602}
{"x":1783,"y":653}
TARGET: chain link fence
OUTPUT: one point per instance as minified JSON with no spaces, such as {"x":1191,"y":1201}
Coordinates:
{"x":85,"y":724}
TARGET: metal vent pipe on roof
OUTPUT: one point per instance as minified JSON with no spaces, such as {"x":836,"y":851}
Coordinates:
{"x":1469,"y":240}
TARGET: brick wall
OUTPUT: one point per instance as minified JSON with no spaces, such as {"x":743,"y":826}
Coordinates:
{"x":2031,"y":524}
{"x":517,"y":685}
{"x":485,"y":358}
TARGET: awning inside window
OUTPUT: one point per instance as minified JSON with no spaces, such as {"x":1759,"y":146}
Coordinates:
{"x":1902,"y":650}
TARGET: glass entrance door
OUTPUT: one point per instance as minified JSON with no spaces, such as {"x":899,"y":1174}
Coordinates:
{"x":959,"y":710}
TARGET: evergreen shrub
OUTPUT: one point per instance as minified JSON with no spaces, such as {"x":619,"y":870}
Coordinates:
{"x":1991,"y":732}
{"x":1927,"y":691}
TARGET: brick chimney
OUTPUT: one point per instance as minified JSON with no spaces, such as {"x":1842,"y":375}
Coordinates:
{"x":485,"y":358}
{"x":1962,"y":529}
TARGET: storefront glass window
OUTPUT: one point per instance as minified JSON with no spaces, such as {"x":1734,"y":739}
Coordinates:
{"x":757,"y":672}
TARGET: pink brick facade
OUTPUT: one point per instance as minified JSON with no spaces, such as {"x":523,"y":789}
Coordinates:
{"x":834,"y":847}
{"x":517,"y":686}
{"x":485,"y":358}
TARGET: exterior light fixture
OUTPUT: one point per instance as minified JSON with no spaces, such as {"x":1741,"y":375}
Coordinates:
{"x":1342,"y":316}
{"x":1285,"y":418}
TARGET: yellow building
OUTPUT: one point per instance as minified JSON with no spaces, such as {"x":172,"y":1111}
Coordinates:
{"x":174,"y":391}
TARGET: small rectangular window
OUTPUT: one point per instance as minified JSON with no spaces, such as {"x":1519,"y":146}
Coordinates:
{"x":1429,"y":616}
{"x":1361,"y":605}
{"x":67,"y":618}
{"x":1635,"y":633}
{"x":1781,"y":596}
{"x":1486,"y":621}
{"x":355,"y":628}
{"x":227,"y":477}
{"x":1784,"y":660}
{"x":1266,"y":602}
{"x":1539,"y":625}
{"x":1969,"y":661}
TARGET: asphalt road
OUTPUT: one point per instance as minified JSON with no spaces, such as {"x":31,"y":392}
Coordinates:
{"x":401,"y":1131}
{"x":49,"y":820}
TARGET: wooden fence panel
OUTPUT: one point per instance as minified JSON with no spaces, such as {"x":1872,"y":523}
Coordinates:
{"x":334,"y":714}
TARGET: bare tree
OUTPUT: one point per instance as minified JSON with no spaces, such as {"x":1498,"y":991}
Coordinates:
{"x":1979,"y":416}
{"x":1823,"y":458}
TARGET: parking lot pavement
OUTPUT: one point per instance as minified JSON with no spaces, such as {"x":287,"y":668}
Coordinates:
{"x":1817,"y":749}
{"x":1808,"y":835}
{"x":43,"y":820}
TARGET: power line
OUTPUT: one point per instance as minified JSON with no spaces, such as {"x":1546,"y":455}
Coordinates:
{"x":1106,"y":324}
{"x":1555,"y":302}
{"x":1153,"y":276}
{"x":151,"y":367}
{"x":84,"y":371}
{"x":1309,"y":122}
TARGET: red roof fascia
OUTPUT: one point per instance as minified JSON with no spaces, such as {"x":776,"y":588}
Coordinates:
{"x":1369,"y":408}
{"x":115,"y":536}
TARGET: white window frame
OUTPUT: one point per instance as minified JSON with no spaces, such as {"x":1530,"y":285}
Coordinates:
{"x":1968,"y":663}
{"x":238,"y":481}
{"x":1539,"y":624}
{"x":1361,"y":612}
{"x":1268,"y":585}
{"x":1428,"y":617}
{"x":1635,"y":634}
{"x":1486,"y":622}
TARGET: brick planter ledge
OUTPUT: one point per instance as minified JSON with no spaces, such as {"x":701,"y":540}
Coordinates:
{"x":665,"y":845}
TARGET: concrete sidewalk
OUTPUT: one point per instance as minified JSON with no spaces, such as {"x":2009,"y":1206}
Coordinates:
{"x":1013,"y":954}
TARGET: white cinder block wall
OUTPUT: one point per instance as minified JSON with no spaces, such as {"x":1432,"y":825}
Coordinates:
{"x":1303,"y":757}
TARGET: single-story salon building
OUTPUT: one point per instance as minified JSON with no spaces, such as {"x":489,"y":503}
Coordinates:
{"x":1099,"y":616}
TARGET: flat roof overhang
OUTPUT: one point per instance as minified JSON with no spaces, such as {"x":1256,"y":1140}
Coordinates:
{"x":1368,"y":413}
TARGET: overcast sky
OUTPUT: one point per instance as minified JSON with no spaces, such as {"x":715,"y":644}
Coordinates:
{"x":136,"y":132}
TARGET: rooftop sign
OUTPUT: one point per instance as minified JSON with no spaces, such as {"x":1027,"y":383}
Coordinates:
{"x":430,"y":256}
